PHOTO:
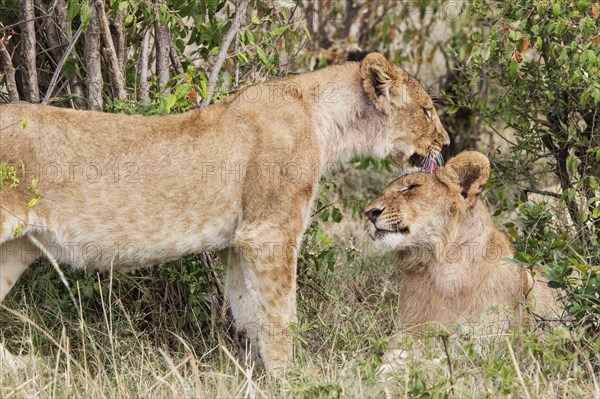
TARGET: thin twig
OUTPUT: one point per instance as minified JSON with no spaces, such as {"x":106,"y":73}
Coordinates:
{"x":240,"y":13}
{"x":208,"y":263}
{"x":322,"y":208}
{"x":24,"y":21}
{"x":60,"y":65}
{"x":450,"y":369}
{"x":541,"y":192}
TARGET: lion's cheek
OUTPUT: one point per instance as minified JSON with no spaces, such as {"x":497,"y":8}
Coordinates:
{"x":400,"y":152}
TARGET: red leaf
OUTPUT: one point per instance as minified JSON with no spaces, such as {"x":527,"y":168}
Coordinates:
{"x":192,"y":96}
{"x":516,"y":56}
{"x":525,"y":44}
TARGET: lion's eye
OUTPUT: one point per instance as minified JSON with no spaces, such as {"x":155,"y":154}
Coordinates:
{"x":412,"y":186}
{"x":427,"y":112}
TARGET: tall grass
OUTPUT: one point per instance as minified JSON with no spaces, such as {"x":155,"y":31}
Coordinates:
{"x":345,"y":317}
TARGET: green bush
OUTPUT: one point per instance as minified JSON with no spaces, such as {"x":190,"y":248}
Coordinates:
{"x":531,"y":72}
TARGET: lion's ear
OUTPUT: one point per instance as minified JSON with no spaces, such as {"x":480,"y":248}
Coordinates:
{"x":470,"y":170}
{"x":380,"y":80}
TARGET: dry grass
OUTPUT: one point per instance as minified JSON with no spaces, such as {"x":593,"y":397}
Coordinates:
{"x":345,"y":317}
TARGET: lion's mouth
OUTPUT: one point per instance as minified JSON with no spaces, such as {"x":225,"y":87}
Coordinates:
{"x":381,"y":233}
{"x":428,"y":163}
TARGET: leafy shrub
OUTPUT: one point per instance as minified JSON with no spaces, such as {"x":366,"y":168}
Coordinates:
{"x":532,"y":74}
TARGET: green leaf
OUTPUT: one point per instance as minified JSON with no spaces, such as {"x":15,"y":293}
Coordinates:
{"x":33,"y":201}
{"x":514,"y":67}
{"x":452,"y":110}
{"x":556,"y":9}
{"x":242,"y":57}
{"x":263,"y":57}
{"x":591,"y":57}
{"x":571,"y":164}
{"x":325,"y":215}
{"x":280,"y":30}
{"x":85,"y":14}
{"x":336,"y":215}
{"x":33,"y":184}
{"x":73,"y":10}
{"x":170,"y":102}
{"x":25,"y":123}
{"x":250,"y":37}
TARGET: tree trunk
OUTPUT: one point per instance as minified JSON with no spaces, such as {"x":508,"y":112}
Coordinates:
{"x":60,"y":15}
{"x":351,"y":13}
{"x":115,"y":75}
{"x":93,"y":64}
{"x":144,"y":87}
{"x":175,"y":57}
{"x":52,"y":39}
{"x":28,"y":44}
{"x":309,"y":11}
{"x":162,"y":45}
{"x":9,"y":70}
{"x":119,"y":40}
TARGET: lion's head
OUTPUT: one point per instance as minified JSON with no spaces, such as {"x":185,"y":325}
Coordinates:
{"x":416,"y":131}
{"x":421,"y":210}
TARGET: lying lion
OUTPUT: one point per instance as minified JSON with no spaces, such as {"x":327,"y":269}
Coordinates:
{"x":452,"y":256}
{"x":126,"y":191}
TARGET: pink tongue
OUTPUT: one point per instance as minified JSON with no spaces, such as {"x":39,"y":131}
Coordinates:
{"x":430,"y":165}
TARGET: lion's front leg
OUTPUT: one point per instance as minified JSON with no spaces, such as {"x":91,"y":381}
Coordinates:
{"x":261,"y":287}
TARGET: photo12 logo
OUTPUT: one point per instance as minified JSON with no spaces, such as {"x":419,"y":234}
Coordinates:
{"x":90,"y":172}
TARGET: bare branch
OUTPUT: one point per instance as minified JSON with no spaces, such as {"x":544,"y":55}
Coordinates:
{"x":28,"y":43}
{"x":175,"y":57}
{"x":24,"y":21}
{"x":541,"y":192}
{"x":115,"y":75}
{"x":11,"y":83}
{"x":240,"y":14}
{"x":93,"y":65}
{"x":60,"y":65}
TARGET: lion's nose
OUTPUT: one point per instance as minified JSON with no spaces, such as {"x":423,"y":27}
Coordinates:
{"x":373,"y":214}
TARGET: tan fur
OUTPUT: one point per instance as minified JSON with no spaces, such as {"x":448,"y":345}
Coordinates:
{"x":452,"y":255}
{"x":238,"y":177}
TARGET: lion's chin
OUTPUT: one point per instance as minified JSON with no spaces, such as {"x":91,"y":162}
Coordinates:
{"x":386,"y":241}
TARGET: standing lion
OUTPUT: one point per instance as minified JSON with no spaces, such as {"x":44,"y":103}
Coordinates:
{"x":239,"y":177}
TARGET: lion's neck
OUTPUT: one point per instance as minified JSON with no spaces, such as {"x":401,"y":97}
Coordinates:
{"x":346,"y":123}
